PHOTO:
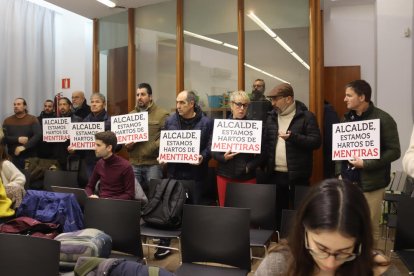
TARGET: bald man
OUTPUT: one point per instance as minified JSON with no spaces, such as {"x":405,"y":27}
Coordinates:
{"x":80,"y":107}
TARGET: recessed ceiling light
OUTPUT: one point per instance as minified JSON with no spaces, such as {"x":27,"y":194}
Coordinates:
{"x":107,"y":3}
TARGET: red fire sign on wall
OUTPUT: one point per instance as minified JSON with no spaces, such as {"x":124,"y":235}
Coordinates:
{"x":66,"y":83}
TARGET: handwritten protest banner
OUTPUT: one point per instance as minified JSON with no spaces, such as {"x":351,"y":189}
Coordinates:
{"x":130,"y":127}
{"x":360,"y":139}
{"x":179,"y":146}
{"x":82,"y":135}
{"x":237,"y":136}
{"x":56,"y":129}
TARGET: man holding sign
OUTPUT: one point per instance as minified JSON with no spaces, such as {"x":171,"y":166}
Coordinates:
{"x":143,"y":155}
{"x":291,"y":136}
{"x":372,"y":175}
{"x":188,"y":116}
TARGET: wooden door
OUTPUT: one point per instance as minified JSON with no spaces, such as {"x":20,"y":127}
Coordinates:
{"x":335,"y":79}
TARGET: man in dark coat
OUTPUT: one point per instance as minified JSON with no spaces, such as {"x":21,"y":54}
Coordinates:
{"x":79,"y":105}
{"x":189,"y":116}
{"x":291,"y":136}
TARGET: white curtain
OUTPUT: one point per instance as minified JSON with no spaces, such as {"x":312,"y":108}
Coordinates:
{"x":27,"y":55}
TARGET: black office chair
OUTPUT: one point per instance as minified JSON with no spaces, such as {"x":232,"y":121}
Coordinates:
{"x":300,"y":194}
{"x":148,"y":231}
{"x":25,"y":255}
{"x":60,"y":178}
{"x":404,"y":233}
{"x":217,"y":235}
{"x":120,"y":219}
{"x":261,"y":200}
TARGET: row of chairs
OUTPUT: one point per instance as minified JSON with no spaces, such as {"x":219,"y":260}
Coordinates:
{"x":209,"y":234}
{"x":398,"y":213}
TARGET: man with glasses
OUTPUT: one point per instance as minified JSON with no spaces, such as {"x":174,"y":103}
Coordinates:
{"x":291,"y":135}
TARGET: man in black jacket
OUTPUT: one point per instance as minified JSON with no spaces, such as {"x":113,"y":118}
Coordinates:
{"x":291,"y":136}
{"x":79,"y":105}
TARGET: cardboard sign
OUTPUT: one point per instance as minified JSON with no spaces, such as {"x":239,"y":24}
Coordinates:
{"x":56,"y":129}
{"x":179,"y":146}
{"x":356,"y":139}
{"x":237,"y":136}
{"x":130,"y":127}
{"x":82,"y":135}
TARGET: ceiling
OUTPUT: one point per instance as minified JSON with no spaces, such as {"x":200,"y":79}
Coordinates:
{"x":93,"y":9}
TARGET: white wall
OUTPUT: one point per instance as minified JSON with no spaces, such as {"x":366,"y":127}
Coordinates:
{"x":73,"y":49}
{"x":372,"y":35}
{"x":349,"y":39}
{"x":395,"y":65}
{"x":73,"y":53}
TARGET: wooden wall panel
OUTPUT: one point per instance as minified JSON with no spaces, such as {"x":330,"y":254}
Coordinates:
{"x":336,"y":77}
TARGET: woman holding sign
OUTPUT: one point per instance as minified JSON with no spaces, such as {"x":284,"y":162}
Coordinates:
{"x":234,"y":166}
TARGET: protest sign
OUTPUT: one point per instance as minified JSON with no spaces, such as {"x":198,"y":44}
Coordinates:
{"x":130,"y":128}
{"x":237,"y":136}
{"x":356,"y":139}
{"x":56,"y":129}
{"x":179,"y":146}
{"x":82,"y":135}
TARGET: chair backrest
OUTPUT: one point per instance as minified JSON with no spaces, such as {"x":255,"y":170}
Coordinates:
{"x":118,"y":218}
{"x":286,"y":223}
{"x":300,"y":193}
{"x":404,"y":233}
{"x":397,"y":182}
{"x":259,"y":198}
{"x":25,"y":255}
{"x":217,"y":235}
{"x":60,"y":178}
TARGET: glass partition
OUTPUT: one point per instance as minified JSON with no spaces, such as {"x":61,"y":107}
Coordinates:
{"x":113,"y":62}
{"x":210,"y":52}
{"x":155,"y":40}
{"x":277,"y":44}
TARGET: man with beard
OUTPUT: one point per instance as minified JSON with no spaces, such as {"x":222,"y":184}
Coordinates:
{"x":80,"y":107}
{"x":291,"y":135}
{"x":60,"y":149}
{"x":259,"y":106}
{"x":143,"y":155}
{"x":22,"y":133}
{"x":43,"y":149}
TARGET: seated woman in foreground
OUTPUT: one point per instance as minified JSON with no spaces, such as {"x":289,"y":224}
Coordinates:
{"x":331,"y":236}
{"x":12,"y":178}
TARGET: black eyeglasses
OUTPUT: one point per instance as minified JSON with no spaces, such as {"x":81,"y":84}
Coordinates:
{"x":274,"y":98}
{"x":340,"y":256}
{"x":240,"y":105}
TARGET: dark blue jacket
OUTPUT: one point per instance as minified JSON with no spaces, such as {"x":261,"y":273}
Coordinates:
{"x":51,"y":207}
{"x":203,"y":123}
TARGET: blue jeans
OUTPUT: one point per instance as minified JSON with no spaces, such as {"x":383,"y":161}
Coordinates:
{"x":144,"y":173}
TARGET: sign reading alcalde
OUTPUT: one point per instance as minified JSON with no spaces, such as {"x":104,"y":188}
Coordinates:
{"x":82,"y":135}
{"x":237,"y":136}
{"x":179,"y":146}
{"x":56,"y":129}
{"x":130,"y":127}
{"x":356,"y":139}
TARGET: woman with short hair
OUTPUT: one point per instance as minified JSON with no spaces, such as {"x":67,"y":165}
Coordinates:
{"x":233,"y":166}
